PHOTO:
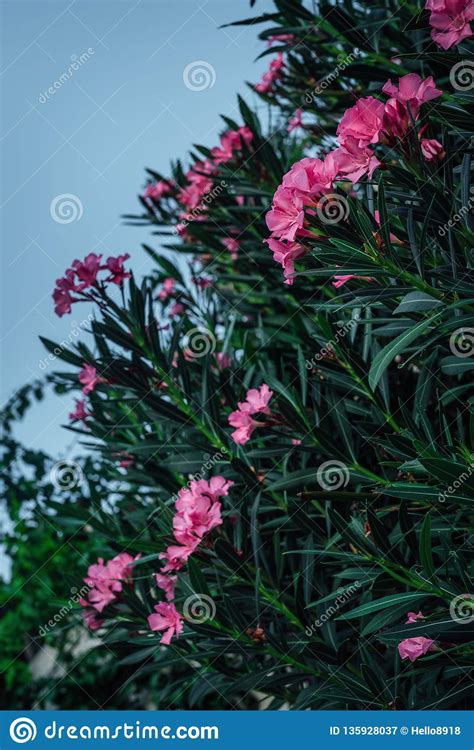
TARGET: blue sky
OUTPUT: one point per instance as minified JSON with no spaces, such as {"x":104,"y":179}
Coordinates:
{"x":119,"y":104}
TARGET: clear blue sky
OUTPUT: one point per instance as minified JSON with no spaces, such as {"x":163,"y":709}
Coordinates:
{"x":125,"y":107}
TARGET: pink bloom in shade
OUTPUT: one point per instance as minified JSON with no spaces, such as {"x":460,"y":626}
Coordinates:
{"x":286,"y":254}
{"x":354,"y":162}
{"x":258,"y":399}
{"x":117,"y":271}
{"x":240,"y":200}
{"x":176,"y":556}
{"x":413,"y":648}
{"x":223,"y":360}
{"x":89,"y":379}
{"x":412,"y":91}
{"x":341,"y":280}
{"x":286,"y":216}
{"x":295,"y":121}
{"x":245,"y":426}
{"x":432,"y":149}
{"x":79,"y":414}
{"x":166,"y":618}
{"x":232,"y":245}
{"x":393,"y":238}
{"x":363,"y":121}
{"x":91,"y":619}
{"x":176,"y":309}
{"x":450,"y":21}
{"x":413,"y":617}
{"x":167,"y":584}
{"x":167,"y":289}
{"x":295,"y":441}
{"x":87,"y":269}
{"x":156,"y":190}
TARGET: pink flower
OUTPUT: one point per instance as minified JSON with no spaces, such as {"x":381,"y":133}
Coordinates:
{"x":295,"y":121}
{"x":232,"y":245}
{"x":450,"y":21}
{"x":167,"y":618}
{"x":286,"y":254}
{"x":284,"y":38}
{"x":117,"y":271}
{"x":341,"y":280}
{"x":87,"y":269}
{"x":198,"y":509}
{"x":273,"y":74}
{"x":223,"y":360}
{"x":295,"y":441}
{"x":176,"y":309}
{"x":412,"y":91}
{"x":89,"y":379}
{"x":432,"y":149}
{"x":286,"y":216}
{"x":156,"y":190}
{"x":413,"y":617}
{"x":176,"y":556}
{"x":354,"y":162}
{"x":90,"y":617}
{"x":258,"y":399}
{"x":413,"y":648}
{"x":79,"y":414}
{"x":167,"y":584}
{"x":310,"y":177}
{"x":363,"y":122}
{"x":106,"y":581}
{"x":245,"y":426}
{"x":167,"y":289}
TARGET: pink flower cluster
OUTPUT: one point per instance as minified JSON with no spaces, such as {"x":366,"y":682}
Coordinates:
{"x":83,"y":275}
{"x":198,"y":511}
{"x":450,"y":21}
{"x":256,"y":402}
{"x":413,"y":648}
{"x":155,"y":191}
{"x":367,"y":123}
{"x":106,"y":582}
{"x":273,"y":73}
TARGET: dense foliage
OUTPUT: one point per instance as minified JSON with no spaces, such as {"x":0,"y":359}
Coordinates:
{"x":292,"y":539}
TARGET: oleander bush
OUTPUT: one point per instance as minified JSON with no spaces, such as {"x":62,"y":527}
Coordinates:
{"x":282,"y":408}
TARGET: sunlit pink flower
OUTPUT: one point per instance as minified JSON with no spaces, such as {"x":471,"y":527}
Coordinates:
{"x":432,"y":149}
{"x":286,"y":215}
{"x":245,"y":426}
{"x":87,"y":269}
{"x":363,"y":121}
{"x":166,"y":618}
{"x":167,"y":289}
{"x":413,"y":617}
{"x":412,"y":91}
{"x":286,"y":254}
{"x":89,"y":378}
{"x":450,"y":21}
{"x":79,"y":414}
{"x":117,"y":271}
{"x":167,"y":584}
{"x":295,"y":121}
{"x":413,"y":648}
{"x":353,"y":162}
